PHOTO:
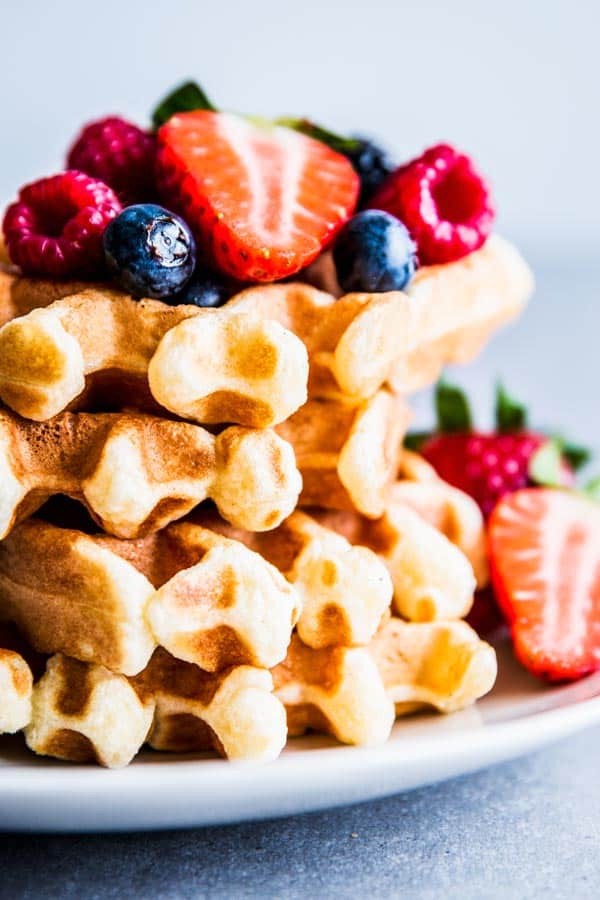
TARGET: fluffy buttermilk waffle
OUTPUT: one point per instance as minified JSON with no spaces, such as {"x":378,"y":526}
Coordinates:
{"x":355,"y":693}
{"x":207,"y":599}
{"x":345,"y":590}
{"x":102,"y":346}
{"x":347,"y":453}
{"x":84,"y":713}
{"x":233,"y":711}
{"x":136,"y":473}
{"x":446,"y":315}
{"x":16,"y":684}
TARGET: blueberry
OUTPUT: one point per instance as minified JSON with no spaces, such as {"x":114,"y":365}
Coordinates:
{"x":149,"y":251}
{"x":374,"y":252}
{"x":204,"y":289}
{"x":372,"y":164}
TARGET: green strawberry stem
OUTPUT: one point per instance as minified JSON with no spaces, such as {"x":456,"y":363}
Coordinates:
{"x":452,"y":408}
{"x":185,"y":98}
{"x":337,"y":142}
{"x":510,"y":414}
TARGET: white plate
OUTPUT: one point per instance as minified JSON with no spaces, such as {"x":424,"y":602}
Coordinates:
{"x":162,"y":791}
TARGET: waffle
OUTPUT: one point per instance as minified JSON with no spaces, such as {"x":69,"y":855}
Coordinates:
{"x":354,"y":694}
{"x":19,"y":295}
{"x":344,"y":590}
{"x":432,"y":578}
{"x":16,"y":683}
{"x":84,"y":713}
{"x":207,"y":599}
{"x":347,"y":454}
{"x":451,"y":511}
{"x":335,"y":690}
{"x":360,"y":341}
{"x":233,"y":712}
{"x":443,"y":665}
{"x":101,"y":346}
{"x":137,"y":473}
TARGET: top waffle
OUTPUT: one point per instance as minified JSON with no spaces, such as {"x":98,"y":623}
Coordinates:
{"x":101,"y":346}
{"x":445,"y":315}
{"x":244,"y":363}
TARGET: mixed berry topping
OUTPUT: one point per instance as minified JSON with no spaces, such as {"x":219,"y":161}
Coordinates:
{"x":150,"y":252}
{"x":262,"y":199}
{"x":118,"y":153}
{"x":55,"y":227}
{"x":443,"y":201}
{"x":374,"y":252}
{"x":489,"y":465}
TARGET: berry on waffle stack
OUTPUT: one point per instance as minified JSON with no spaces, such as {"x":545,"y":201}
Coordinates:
{"x":209,"y":334}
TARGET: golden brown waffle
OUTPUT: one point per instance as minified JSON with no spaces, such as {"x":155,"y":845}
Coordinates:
{"x":210,"y":366}
{"x":84,"y":713}
{"x":360,"y":341}
{"x":432,"y":578}
{"x":449,"y":510}
{"x":335,"y":690}
{"x":137,"y":473}
{"x":207,"y":599}
{"x":354,"y":694}
{"x":347,"y":454}
{"x":344,"y":590}
{"x":16,"y":683}
{"x":233,"y":712}
{"x":68,"y":593}
{"x":443,"y":665}
{"x":19,"y":295}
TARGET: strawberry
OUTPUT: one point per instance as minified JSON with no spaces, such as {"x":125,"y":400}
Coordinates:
{"x":488,"y":465}
{"x":544,"y":547}
{"x":263,"y":200}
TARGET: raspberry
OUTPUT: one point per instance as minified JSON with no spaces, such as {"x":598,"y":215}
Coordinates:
{"x":443,"y":201}
{"x":486,"y":466}
{"x":118,"y":153}
{"x":55,"y":227}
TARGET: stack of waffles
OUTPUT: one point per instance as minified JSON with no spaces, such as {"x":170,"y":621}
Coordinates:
{"x":251,"y":552}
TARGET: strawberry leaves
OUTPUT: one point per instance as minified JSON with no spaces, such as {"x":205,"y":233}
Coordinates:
{"x":337,"y":142}
{"x":185,"y":98}
{"x":511,"y":415}
{"x":452,"y":408}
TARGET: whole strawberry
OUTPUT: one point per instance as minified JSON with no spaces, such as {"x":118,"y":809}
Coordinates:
{"x":489,"y":465}
{"x":118,"y":153}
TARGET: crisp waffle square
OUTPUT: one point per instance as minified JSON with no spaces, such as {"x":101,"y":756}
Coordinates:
{"x":344,"y":590}
{"x":84,"y":713}
{"x":136,"y":473}
{"x":348,"y":454}
{"x":210,"y":366}
{"x":359,"y":341}
{"x":354,"y":694}
{"x":207,"y":599}
{"x":16,"y":685}
{"x":233,"y":712}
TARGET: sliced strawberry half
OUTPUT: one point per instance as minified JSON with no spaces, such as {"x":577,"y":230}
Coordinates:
{"x":544,"y":549}
{"x":263,"y":200}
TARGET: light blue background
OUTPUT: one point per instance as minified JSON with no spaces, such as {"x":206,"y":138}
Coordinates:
{"x":515,"y":83}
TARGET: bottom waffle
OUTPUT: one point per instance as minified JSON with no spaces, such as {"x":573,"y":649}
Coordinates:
{"x":82,"y":712}
{"x":354,"y":694}
{"x":232,"y":712}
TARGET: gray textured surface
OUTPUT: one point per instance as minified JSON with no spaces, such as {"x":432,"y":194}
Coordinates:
{"x":528,"y":829}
